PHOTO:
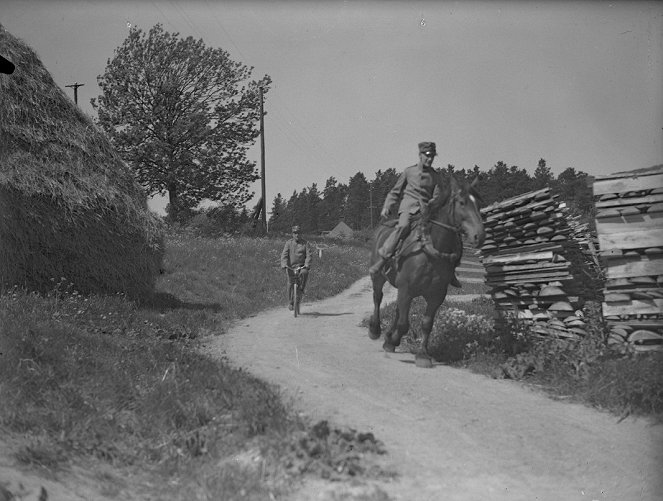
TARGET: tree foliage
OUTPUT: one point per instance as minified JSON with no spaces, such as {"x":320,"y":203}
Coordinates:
{"x":182,"y":115}
{"x":354,"y":202}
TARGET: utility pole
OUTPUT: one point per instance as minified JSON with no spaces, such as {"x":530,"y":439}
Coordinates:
{"x":370,"y":206}
{"x":262,"y":163}
{"x":75,"y":87}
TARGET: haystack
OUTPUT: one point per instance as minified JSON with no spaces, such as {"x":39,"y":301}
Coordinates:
{"x":69,"y":206}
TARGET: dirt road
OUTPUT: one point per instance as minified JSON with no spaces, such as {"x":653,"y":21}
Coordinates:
{"x":451,"y":435}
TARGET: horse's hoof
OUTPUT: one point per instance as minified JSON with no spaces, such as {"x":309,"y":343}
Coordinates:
{"x":388,"y":347}
{"x":423,"y":362}
{"x":373,"y":334}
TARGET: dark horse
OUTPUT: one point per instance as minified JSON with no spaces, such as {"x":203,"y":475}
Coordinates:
{"x":416,"y":273}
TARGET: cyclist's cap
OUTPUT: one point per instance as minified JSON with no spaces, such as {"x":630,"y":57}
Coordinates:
{"x":295,"y":229}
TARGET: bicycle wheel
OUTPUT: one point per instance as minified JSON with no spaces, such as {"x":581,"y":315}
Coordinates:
{"x":295,"y":299}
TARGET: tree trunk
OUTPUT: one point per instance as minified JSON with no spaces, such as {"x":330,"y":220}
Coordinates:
{"x":173,"y":206}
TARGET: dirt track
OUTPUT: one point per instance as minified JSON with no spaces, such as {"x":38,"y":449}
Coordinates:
{"x":451,"y":434}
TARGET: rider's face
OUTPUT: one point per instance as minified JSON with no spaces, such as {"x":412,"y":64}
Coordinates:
{"x":295,"y":235}
{"x":427,"y":159}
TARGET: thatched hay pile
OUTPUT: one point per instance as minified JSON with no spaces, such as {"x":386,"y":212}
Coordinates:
{"x":69,"y":207}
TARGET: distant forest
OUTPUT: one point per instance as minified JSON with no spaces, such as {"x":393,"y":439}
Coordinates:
{"x":358,"y":203}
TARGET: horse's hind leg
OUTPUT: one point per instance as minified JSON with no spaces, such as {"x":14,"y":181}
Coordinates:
{"x":374,"y":329}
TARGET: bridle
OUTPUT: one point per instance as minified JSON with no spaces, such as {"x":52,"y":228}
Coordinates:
{"x":458,"y":228}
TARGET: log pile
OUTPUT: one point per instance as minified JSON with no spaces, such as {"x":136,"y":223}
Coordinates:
{"x":629,"y":224}
{"x":532,"y":260}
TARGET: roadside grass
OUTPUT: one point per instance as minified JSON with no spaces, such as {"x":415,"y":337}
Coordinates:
{"x":100,"y":380}
{"x":586,"y":371}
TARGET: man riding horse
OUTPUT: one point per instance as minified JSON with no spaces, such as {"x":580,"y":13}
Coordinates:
{"x":416,"y":188}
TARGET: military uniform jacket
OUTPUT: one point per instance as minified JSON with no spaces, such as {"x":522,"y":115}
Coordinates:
{"x":296,"y":253}
{"x":414,"y":188}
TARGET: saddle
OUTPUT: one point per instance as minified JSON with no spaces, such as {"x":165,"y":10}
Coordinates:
{"x":418,"y":239}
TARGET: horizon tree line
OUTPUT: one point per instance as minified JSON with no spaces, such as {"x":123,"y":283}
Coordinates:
{"x":358,"y":203}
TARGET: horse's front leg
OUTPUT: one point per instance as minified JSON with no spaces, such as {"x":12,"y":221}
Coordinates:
{"x":422,"y":358}
{"x":401,"y":323}
{"x":374,"y":329}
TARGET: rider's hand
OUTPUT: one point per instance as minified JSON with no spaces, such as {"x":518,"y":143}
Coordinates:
{"x":385,"y":213}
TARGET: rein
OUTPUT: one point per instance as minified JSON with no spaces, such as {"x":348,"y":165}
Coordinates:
{"x":457,"y":228}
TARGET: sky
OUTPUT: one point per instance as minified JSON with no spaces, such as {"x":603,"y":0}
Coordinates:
{"x":357,"y":84}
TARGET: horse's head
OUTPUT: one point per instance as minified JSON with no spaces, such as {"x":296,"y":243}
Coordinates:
{"x":463,"y":210}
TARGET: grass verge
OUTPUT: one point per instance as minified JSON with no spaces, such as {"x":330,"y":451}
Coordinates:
{"x":585,"y":371}
{"x":100,"y":380}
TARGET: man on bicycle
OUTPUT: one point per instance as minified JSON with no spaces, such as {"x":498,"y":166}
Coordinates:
{"x":296,"y":253}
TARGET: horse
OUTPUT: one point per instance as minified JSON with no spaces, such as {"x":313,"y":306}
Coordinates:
{"x":415,"y":272}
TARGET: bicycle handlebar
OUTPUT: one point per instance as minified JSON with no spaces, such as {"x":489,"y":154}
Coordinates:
{"x":298,"y":268}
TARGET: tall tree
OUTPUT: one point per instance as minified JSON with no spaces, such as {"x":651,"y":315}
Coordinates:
{"x":543,"y":177}
{"x":356,"y":208}
{"x":278,"y":216}
{"x":572,"y":187}
{"x":380,"y":187}
{"x":332,"y":205}
{"x":182,"y":115}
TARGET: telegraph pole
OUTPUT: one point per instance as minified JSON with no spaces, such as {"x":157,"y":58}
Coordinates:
{"x":262,"y":163}
{"x":75,"y":87}
{"x":370,"y":206}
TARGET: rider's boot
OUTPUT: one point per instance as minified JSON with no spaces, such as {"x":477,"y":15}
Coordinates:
{"x":385,"y":252}
{"x":377,"y":267}
{"x":454,"y":282}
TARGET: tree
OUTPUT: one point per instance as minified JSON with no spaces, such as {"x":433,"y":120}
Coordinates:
{"x":182,"y":115}
{"x":311,"y":217}
{"x":504,"y":182}
{"x":332,"y":205}
{"x":573,"y":189}
{"x":278,"y":220}
{"x":380,"y":187}
{"x":356,"y":207}
{"x":543,"y":177}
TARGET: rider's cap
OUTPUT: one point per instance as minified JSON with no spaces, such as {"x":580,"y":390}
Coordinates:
{"x":427,"y":147}
{"x":295,"y":228}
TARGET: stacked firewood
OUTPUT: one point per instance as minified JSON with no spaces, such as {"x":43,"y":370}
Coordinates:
{"x":629,"y":224}
{"x":532,"y":262}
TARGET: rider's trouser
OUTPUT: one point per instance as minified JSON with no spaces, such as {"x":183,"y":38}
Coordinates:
{"x":303,"y":277}
{"x":400,"y":232}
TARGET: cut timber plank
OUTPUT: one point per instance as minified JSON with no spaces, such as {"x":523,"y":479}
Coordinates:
{"x":639,"y":324}
{"x":641,"y":222}
{"x":535,"y":247}
{"x":495,"y":268}
{"x":527,"y":277}
{"x":634,"y":307}
{"x":624,"y":184}
{"x":512,"y":202}
{"x":530,"y":280}
{"x":619,"y":202}
{"x":636,"y":239}
{"x":513,"y":258}
{"x":625,"y":267}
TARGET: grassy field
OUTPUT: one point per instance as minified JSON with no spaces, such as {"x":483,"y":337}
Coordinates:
{"x":120,"y":387}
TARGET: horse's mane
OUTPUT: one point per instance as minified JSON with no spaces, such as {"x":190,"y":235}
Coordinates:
{"x":448,"y":185}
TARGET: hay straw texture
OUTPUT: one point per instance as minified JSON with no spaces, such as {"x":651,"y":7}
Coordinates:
{"x":69,"y":206}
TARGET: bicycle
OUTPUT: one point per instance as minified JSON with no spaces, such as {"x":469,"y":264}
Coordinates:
{"x":296,"y":285}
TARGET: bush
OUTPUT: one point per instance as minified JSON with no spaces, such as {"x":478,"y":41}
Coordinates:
{"x":456,"y":332}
